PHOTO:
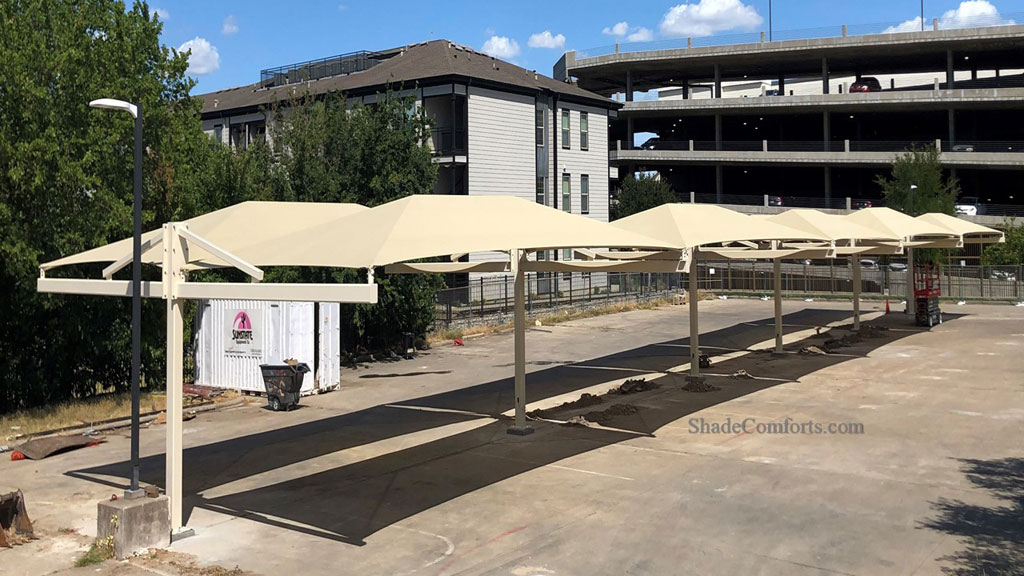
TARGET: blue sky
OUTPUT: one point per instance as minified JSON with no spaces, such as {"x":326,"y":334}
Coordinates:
{"x":232,"y":41}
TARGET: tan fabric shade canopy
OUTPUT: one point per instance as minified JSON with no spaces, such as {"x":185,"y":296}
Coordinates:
{"x":831,"y":226}
{"x":969,"y":231}
{"x":236,"y":229}
{"x":695,"y":225}
{"x":898,"y":224}
{"x":426,"y":226}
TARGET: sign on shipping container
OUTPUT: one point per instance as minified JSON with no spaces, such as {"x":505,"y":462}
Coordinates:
{"x":244,"y":332}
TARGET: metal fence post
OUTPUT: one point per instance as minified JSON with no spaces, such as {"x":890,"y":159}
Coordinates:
{"x":529,"y":293}
{"x":570,"y":288}
{"x":981,"y":280}
{"x":504,"y":307}
{"x":481,"y":296}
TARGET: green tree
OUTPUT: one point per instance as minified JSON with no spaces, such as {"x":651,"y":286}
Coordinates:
{"x":920,"y":167}
{"x":639,"y":193}
{"x":66,"y":178}
{"x":368,"y":154}
{"x":1010,"y":253}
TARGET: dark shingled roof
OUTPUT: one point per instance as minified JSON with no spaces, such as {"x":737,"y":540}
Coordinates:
{"x":412,"y":65}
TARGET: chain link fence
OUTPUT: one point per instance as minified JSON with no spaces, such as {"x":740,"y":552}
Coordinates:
{"x":489,"y":299}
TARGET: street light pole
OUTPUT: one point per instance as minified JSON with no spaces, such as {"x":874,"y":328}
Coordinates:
{"x":770,"y":20}
{"x":912,"y":188}
{"x":136,"y":111}
{"x":922,"y":15}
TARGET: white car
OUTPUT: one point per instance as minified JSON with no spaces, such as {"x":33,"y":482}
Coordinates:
{"x":967,"y":206}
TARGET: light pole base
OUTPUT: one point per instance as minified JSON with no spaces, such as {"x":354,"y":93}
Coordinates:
{"x":181,"y":534}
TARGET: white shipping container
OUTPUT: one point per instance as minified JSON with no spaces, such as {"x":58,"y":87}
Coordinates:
{"x":233,"y":337}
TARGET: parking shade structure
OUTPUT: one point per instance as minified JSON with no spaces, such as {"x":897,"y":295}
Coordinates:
{"x":253,"y":234}
{"x":697,"y":228}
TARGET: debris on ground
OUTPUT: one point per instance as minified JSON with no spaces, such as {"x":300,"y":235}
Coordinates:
{"x":700,"y":385}
{"x":833,"y":344}
{"x":606,"y":415}
{"x":585,"y":400}
{"x":458,"y":342}
{"x":576,"y":421}
{"x":634,"y":385}
{"x":44,"y":447}
{"x":742,"y":375}
{"x":872,"y":331}
{"x":15,"y":525}
{"x":813,"y":351}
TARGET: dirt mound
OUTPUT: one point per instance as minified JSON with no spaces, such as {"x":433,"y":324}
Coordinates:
{"x":585,"y":400}
{"x":699,"y":386}
{"x":633,"y":386}
{"x":608,"y":414}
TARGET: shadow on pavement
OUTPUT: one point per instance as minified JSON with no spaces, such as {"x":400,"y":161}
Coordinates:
{"x":994,"y":537}
{"x":350,"y":502}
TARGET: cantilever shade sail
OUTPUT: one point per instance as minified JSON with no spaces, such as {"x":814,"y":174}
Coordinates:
{"x":971,"y":233}
{"x":695,"y":225}
{"x":831,"y":226}
{"x":899,"y":224}
{"x":428,"y":226}
{"x":236,"y":229}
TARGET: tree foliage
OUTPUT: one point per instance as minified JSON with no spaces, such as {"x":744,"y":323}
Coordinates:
{"x":1010,"y":253}
{"x":66,"y":177}
{"x":639,"y":193}
{"x":66,"y":186}
{"x":919,"y":167}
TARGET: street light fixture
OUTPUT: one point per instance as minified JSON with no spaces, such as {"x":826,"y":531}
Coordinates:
{"x":912,"y":188}
{"x":136,"y":111}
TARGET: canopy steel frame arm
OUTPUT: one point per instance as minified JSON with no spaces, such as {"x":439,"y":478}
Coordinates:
{"x":219,"y":252}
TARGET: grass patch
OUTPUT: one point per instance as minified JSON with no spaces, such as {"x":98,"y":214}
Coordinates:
{"x":76,"y":413}
{"x":100,"y":551}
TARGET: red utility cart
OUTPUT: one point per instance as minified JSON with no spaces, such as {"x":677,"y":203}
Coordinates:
{"x":927,"y":289}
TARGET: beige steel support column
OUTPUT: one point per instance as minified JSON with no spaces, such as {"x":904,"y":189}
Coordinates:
{"x":518,"y":259}
{"x":910,"y":281}
{"x":173,"y":260}
{"x":855,"y":264}
{"x":778,"y":305}
{"x":694,"y":327}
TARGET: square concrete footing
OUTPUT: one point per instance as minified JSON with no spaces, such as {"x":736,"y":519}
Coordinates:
{"x":517,"y":431}
{"x":135,"y":524}
{"x":776,"y":354}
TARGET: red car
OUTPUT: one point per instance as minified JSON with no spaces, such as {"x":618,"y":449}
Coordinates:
{"x":866,"y":84}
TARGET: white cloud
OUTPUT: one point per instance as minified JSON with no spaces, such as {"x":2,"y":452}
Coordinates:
{"x":619,"y":29}
{"x":546,"y":40}
{"x":162,"y":13}
{"x":708,"y":17}
{"x":968,"y":13}
{"x":629,"y":34}
{"x":204,"y":57}
{"x":641,"y":35}
{"x":501,"y":47}
{"x":230,"y":25}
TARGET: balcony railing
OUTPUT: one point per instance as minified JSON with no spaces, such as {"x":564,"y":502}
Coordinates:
{"x":448,"y":141}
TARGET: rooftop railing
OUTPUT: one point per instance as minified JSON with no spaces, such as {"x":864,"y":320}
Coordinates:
{"x":947,"y":21}
{"x":321,"y":68}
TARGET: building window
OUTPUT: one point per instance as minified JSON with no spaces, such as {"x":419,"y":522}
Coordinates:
{"x":565,"y":129}
{"x":542,"y":198}
{"x":584,"y":194}
{"x":218,"y":133}
{"x":540,"y":127}
{"x":567,"y":192}
{"x":584,"y":140}
{"x":567,"y":256}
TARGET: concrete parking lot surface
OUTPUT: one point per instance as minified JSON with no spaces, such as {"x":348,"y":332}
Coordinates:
{"x":408,"y":468}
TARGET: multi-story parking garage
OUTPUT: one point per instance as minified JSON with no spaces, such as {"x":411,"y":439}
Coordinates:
{"x":779,"y":118}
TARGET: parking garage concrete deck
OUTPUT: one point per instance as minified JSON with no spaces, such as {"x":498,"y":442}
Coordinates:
{"x":806,"y":158}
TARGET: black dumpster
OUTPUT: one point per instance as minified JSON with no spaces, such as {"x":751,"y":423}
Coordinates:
{"x":283,"y":382}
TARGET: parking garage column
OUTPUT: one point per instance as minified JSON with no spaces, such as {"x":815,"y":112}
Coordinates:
{"x":952,"y":127}
{"x":686,"y":89}
{"x":629,"y":119}
{"x":824,"y":75}
{"x":950,"y":73}
{"x":718,"y":81}
{"x":782,"y":85}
